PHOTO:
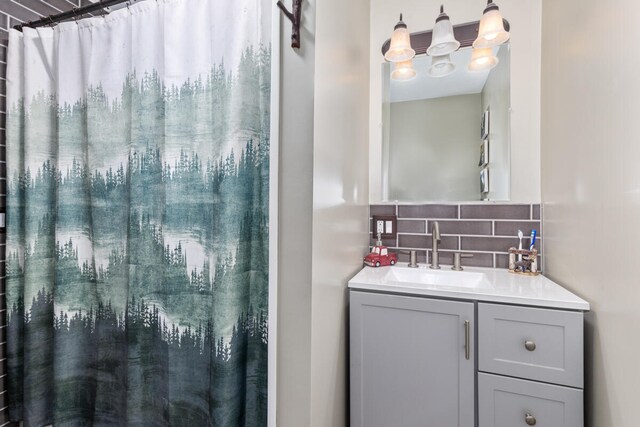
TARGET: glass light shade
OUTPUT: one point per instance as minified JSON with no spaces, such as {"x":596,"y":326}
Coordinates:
{"x":400,"y":49}
{"x":403,"y":71}
{"x":441,"y":66}
{"x":491,"y":32}
{"x":443,"y":41}
{"x":482,"y":60}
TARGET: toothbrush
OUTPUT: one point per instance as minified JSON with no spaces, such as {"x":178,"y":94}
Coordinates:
{"x":520,"y":234}
{"x":534,"y":234}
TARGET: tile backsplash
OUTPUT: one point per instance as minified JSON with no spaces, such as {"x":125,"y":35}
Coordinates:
{"x":485,"y":230}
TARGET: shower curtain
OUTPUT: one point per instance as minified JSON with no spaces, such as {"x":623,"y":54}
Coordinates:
{"x":137,"y":217}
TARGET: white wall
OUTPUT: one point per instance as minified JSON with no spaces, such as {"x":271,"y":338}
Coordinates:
{"x":440,"y":138}
{"x":295,"y":224}
{"x":340,"y":196}
{"x":591,"y":188}
{"x":525,"y":19}
{"x":323,"y":204}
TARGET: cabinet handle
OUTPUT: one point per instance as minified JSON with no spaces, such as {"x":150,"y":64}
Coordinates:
{"x":530,"y":419}
{"x":467,"y":349}
{"x":530,"y":345}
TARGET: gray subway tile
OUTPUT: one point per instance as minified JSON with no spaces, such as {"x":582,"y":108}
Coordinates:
{"x":488,"y":244}
{"x":510,"y":228}
{"x":503,"y":211}
{"x":424,"y":241}
{"x":492,"y":244}
{"x":41,"y":7}
{"x":17,"y":11}
{"x":412,"y":226}
{"x":382,"y":210}
{"x":428,"y":211}
{"x":63,"y":5}
{"x":386,"y":242}
{"x":404,"y":257}
{"x":464,"y":227}
{"x":535,"y":212}
{"x":478,"y":259}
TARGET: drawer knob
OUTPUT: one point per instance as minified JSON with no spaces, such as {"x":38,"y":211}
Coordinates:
{"x":530,"y":345}
{"x":530,"y":419}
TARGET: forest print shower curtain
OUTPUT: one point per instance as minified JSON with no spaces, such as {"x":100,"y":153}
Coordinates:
{"x":138,"y":183}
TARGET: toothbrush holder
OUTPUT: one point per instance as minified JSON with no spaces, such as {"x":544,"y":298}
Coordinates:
{"x":528,"y":265}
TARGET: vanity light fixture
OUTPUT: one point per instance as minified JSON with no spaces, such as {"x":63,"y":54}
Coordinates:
{"x":403,"y":71}
{"x":441,"y":66}
{"x":492,"y":32}
{"x":400,"y":49}
{"x":443,"y":41}
{"x":482,"y":59}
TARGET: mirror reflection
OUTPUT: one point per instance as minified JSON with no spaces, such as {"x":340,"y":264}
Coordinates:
{"x":446,"y":138}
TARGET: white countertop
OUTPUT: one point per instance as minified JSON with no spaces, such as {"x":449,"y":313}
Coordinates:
{"x":497,"y":285}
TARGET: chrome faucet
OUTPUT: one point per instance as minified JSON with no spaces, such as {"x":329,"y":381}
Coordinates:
{"x":435,"y":238}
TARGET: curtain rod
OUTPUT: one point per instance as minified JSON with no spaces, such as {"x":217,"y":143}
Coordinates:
{"x":76,"y":12}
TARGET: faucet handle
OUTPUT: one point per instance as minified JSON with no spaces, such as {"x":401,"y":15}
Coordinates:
{"x":413,"y":257}
{"x":457,"y":260}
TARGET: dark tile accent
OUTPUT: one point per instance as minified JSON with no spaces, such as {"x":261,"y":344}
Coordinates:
{"x":61,"y":4}
{"x":4,"y":417}
{"x":422,"y":257}
{"x":412,"y":226}
{"x":40,"y":7}
{"x":428,"y":211}
{"x":510,"y":228}
{"x":491,"y":244}
{"x":478,"y":259}
{"x":424,"y":241}
{"x":17,"y":11}
{"x":382,"y":210}
{"x":495,"y":211}
{"x":386,"y":242}
{"x":484,"y":228}
{"x":535,"y":212}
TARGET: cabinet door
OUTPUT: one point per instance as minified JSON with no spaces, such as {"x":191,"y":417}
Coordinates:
{"x":512,"y":402}
{"x":409,"y":364}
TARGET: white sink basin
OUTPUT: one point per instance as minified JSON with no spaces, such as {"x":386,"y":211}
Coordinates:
{"x":447,"y":278}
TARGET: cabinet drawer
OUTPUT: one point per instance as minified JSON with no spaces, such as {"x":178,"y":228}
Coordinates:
{"x":532,"y":343}
{"x":511,"y":402}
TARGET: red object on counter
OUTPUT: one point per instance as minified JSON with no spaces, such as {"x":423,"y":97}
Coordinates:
{"x":380,"y":256}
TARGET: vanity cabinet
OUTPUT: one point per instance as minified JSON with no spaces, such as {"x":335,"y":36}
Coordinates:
{"x":412,"y":361}
{"x":531,"y":364}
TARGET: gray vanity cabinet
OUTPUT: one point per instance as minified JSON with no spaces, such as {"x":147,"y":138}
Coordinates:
{"x":412,"y":361}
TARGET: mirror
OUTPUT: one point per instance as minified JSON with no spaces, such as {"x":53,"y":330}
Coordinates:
{"x":447,"y":138}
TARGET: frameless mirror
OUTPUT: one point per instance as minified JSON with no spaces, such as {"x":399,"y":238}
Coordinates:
{"x":447,"y":138}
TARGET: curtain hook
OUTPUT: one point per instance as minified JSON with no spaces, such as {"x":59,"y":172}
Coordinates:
{"x":51,"y":21}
